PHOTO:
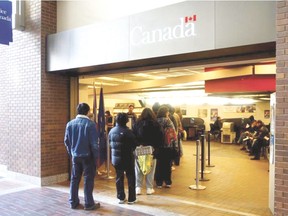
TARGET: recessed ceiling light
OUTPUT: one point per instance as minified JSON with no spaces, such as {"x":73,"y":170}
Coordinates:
{"x":114,"y":79}
{"x":148,"y":76}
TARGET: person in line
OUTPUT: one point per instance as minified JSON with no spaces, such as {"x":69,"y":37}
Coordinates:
{"x":155,"y":108}
{"x":164,"y":161}
{"x":81,"y":141}
{"x":182,"y":130}
{"x":148,"y":133}
{"x":108,"y":121}
{"x":176,"y":160}
{"x":123,"y":143}
{"x":179,"y":134}
{"x":131,"y":114}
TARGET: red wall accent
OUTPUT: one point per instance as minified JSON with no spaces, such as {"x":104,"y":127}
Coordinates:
{"x":259,"y":83}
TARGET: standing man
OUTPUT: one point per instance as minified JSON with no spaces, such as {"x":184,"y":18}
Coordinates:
{"x":108,"y":121}
{"x":132,"y":115}
{"x":81,"y":141}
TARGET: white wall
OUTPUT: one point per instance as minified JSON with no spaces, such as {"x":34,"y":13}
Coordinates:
{"x":191,"y":111}
{"x":223,"y":112}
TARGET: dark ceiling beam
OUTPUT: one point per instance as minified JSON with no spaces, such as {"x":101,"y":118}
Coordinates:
{"x":218,"y":56}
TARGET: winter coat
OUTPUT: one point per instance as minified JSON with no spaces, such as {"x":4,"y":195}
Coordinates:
{"x":149,"y":133}
{"x":123,"y":143}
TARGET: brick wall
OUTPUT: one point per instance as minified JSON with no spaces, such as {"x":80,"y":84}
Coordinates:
{"x":33,"y":104}
{"x":54,"y":104}
{"x":20,"y":97}
{"x":281,"y":152}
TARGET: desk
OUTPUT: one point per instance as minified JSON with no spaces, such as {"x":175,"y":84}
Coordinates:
{"x":192,"y":132}
{"x":228,"y":137}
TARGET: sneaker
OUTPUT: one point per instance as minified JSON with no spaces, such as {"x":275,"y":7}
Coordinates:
{"x":168,"y":186}
{"x":132,"y":202}
{"x":150,"y":191}
{"x":74,"y":206}
{"x":138,"y":190}
{"x":122,"y":201}
{"x":173,"y":168}
{"x":159,"y":187}
{"x":93,"y":207}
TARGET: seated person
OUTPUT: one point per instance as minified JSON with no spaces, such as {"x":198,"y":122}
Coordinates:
{"x":260,"y":141}
{"x":215,"y":128}
{"x":252,"y":136}
{"x":217,"y":124}
{"x":247,"y":132}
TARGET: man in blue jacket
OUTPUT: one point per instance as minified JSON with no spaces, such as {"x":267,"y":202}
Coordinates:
{"x":81,"y":141}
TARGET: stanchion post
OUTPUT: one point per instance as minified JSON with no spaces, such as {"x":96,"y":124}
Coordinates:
{"x":203,"y":159}
{"x":108,"y":161}
{"x":209,"y":141}
{"x":197,"y":186}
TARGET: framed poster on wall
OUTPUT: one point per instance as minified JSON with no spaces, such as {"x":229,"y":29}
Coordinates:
{"x":202,"y":113}
{"x":213,"y":114}
{"x":266,"y":114}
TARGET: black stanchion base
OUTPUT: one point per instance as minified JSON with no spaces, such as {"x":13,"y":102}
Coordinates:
{"x":204,"y":179}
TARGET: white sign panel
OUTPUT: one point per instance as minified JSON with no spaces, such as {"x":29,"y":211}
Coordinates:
{"x":176,"y":29}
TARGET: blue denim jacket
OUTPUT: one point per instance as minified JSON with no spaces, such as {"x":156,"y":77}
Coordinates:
{"x":81,"y":137}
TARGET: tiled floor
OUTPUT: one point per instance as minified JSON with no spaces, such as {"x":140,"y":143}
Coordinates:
{"x":235,"y":186}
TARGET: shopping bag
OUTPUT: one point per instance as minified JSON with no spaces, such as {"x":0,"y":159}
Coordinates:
{"x":144,"y":158}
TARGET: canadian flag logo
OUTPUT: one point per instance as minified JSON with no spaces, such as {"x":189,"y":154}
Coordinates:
{"x":192,"y":18}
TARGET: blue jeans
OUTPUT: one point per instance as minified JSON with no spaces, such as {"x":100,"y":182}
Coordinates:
{"x":85,"y":166}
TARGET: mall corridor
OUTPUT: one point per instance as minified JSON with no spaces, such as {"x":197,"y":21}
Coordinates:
{"x":236,"y":186}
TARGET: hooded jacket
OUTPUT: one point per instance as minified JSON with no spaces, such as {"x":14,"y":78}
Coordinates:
{"x":123,"y":143}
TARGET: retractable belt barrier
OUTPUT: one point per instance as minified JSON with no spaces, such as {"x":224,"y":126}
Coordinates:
{"x":197,"y":186}
{"x":208,"y":140}
{"x":202,"y":171}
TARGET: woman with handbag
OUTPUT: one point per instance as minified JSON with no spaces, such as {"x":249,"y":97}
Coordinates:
{"x":148,"y":132}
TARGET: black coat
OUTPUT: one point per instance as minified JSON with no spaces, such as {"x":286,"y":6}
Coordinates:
{"x":123,"y":143}
{"x":149,"y":133}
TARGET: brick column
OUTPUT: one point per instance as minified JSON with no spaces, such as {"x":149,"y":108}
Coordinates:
{"x":54,"y":107}
{"x":34,"y":105}
{"x":281,"y":131}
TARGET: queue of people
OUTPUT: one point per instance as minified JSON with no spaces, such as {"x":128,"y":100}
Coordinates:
{"x":158,"y":129}
{"x":148,"y":130}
